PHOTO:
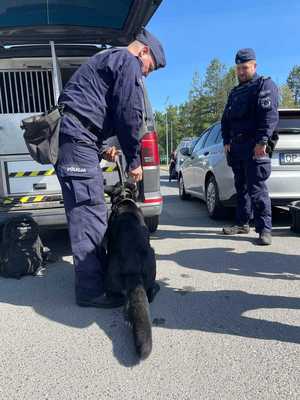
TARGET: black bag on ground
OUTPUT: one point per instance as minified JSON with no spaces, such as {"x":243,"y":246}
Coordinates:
{"x":21,"y":249}
{"x":42,"y":135}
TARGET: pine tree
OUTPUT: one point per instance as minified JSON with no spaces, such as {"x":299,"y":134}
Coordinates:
{"x":293,"y":82}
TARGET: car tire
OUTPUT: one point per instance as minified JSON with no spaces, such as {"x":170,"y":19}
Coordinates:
{"x":214,"y":206}
{"x":182,"y":193}
{"x":152,"y":223}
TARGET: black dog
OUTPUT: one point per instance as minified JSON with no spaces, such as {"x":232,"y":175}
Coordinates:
{"x":131,"y":263}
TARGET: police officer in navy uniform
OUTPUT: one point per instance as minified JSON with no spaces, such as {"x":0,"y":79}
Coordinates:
{"x":104,"y":97}
{"x":248,"y":122}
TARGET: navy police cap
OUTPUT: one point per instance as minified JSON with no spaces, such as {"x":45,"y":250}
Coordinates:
{"x":155,"y":46}
{"x":244,"y":55}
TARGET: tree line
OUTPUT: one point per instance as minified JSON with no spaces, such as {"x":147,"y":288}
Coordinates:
{"x":206,"y":101}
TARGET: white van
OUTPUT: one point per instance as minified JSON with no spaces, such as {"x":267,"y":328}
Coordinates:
{"x":41,"y":45}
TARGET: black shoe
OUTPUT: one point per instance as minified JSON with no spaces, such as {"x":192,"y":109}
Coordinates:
{"x":236,"y":229}
{"x":265,"y":238}
{"x":103,"y":301}
{"x":151,"y":293}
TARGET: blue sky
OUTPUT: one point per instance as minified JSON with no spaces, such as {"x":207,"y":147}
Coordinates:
{"x":195,"y":32}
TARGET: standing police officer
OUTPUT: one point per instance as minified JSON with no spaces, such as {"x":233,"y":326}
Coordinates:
{"x":248,"y":122}
{"x":104,"y":97}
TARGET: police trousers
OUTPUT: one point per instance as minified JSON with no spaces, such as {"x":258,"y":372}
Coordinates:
{"x":250,"y":177}
{"x":81,"y":181}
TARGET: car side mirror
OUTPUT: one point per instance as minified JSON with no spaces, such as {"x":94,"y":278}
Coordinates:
{"x":186,"y":151}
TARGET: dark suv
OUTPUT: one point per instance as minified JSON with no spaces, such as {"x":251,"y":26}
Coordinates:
{"x":41,"y":45}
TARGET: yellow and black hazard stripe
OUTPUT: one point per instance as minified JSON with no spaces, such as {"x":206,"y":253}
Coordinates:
{"x":110,"y":169}
{"x":28,"y":199}
{"x":21,"y":174}
{"x":49,"y":172}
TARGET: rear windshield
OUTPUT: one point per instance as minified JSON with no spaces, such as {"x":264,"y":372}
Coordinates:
{"x":289,"y":125}
{"x":90,"y":13}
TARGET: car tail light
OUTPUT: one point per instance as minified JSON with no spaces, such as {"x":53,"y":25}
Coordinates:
{"x":154,"y":200}
{"x":149,"y":150}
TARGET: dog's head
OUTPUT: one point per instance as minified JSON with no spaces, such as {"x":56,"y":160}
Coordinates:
{"x":121,"y":192}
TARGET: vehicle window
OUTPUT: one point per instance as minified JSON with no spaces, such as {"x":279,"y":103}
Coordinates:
{"x":26,"y":91}
{"x":91,"y":13}
{"x":211,"y":140}
{"x":289,"y":125}
{"x":201,"y":141}
{"x":193,"y":144}
{"x":219,"y":137}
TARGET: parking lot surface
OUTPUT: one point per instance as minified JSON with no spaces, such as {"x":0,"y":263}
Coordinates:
{"x":226,"y":323}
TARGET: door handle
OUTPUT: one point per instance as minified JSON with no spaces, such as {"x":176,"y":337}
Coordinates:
{"x":206,"y":153}
{"x":39,"y":186}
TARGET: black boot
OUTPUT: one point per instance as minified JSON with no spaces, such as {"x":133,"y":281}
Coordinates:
{"x":265,"y":238}
{"x":103,"y":301}
{"x":236,"y":229}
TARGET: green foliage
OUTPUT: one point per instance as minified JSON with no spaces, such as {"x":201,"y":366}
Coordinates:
{"x":286,"y":97}
{"x":293,"y":82}
{"x":206,"y":101}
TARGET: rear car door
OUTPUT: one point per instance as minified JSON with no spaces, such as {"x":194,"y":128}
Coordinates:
{"x":191,"y":164}
{"x":205,"y":159}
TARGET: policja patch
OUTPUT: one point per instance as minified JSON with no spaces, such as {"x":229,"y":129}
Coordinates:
{"x":266,"y":103}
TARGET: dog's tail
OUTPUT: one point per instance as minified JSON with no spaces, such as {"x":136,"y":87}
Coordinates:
{"x":139,"y":316}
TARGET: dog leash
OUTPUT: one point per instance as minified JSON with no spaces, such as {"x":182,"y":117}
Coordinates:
{"x":120,"y":171}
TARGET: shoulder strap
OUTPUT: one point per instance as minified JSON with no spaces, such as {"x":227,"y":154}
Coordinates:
{"x":262,"y":80}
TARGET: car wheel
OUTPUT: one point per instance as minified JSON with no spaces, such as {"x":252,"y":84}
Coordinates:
{"x":182,"y":193}
{"x":213,"y":204}
{"x":152,"y":223}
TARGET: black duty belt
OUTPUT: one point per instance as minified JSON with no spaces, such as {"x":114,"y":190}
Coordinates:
{"x":86,"y":123}
{"x":240,"y":139}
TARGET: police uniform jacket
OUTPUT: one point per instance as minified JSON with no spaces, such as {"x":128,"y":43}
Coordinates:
{"x":251,"y":111}
{"x":107,"y":91}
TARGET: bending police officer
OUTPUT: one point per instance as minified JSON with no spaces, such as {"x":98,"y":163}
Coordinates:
{"x":104,"y":97}
{"x":248,"y":122}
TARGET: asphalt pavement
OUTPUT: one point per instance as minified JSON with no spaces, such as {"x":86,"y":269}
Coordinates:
{"x":226,"y":323}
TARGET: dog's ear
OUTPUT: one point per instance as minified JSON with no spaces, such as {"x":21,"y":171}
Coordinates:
{"x":112,"y":190}
{"x":131,"y":186}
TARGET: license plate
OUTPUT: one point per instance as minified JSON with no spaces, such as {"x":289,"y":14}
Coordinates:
{"x":289,"y":158}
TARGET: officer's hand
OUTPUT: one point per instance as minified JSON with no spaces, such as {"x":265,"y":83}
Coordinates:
{"x":227,"y":148}
{"x":260,"y":150}
{"x":136,"y":174}
{"x":111,"y":154}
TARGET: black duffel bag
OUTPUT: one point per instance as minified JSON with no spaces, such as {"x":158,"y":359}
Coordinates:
{"x":21,"y":248}
{"x":42,"y":135}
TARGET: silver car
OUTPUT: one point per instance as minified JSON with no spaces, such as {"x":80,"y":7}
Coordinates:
{"x":206,"y":175}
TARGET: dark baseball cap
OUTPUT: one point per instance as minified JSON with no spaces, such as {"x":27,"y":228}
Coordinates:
{"x":244,"y":55}
{"x":155,"y":46}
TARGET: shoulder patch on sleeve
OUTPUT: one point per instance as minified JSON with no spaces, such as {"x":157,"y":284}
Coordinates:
{"x":266,"y":103}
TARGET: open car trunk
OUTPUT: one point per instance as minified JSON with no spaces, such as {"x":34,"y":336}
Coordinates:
{"x":113,"y":22}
